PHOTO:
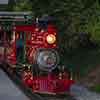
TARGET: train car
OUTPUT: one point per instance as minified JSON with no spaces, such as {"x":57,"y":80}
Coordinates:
{"x":31,"y":52}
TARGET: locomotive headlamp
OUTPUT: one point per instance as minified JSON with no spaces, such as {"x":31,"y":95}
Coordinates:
{"x":51,"y":38}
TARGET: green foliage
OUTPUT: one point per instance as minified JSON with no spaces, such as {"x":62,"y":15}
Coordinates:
{"x":11,"y":4}
{"x":23,"y":5}
{"x":96,"y":88}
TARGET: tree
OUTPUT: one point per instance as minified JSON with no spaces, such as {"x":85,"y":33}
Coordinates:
{"x":11,"y":4}
{"x":22,"y":5}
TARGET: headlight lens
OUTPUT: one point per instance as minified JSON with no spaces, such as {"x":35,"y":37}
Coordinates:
{"x":51,"y":38}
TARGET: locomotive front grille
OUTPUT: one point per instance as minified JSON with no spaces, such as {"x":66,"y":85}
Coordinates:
{"x":43,"y":85}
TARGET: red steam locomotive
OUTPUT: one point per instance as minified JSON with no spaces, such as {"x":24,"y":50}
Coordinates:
{"x":31,"y":52}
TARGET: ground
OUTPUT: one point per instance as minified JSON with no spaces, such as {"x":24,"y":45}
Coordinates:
{"x":8,"y":90}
